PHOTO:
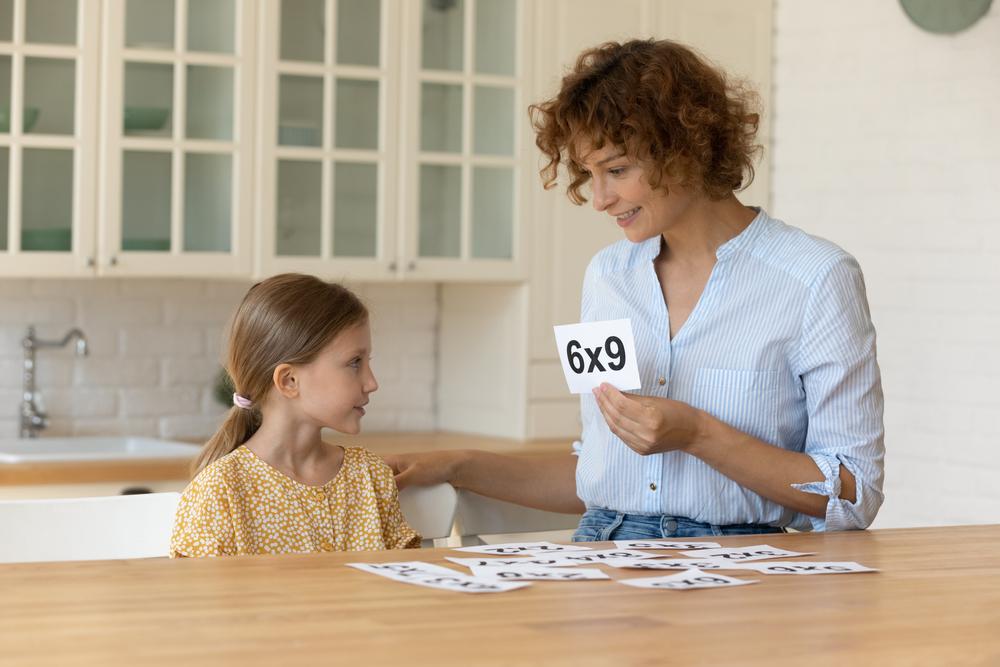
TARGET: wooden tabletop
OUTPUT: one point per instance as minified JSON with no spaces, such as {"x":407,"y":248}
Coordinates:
{"x":936,"y":601}
{"x":84,"y":472}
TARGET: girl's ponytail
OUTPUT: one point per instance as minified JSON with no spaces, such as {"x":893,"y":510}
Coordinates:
{"x":240,"y":424}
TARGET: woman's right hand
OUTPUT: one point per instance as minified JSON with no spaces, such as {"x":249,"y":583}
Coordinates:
{"x":424,"y":468}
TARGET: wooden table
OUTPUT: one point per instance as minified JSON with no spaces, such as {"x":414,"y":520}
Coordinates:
{"x":926,"y":607}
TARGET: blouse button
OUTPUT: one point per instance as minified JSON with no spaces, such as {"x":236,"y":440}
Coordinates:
{"x":652,"y":486}
{"x":662,"y":381}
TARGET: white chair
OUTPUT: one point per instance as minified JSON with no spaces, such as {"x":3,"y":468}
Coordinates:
{"x":483,"y":520}
{"x":107,"y":528}
{"x":430,"y":510}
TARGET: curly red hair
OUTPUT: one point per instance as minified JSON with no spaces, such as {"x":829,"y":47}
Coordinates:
{"x":660,"y":102}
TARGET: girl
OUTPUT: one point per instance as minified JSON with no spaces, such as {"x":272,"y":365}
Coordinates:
{"x":299,"y":352}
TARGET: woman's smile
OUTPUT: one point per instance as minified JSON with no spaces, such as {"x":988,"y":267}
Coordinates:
{"x":626,"y":218}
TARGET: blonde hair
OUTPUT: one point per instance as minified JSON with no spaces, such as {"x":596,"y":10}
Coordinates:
{"x":286,"y":319}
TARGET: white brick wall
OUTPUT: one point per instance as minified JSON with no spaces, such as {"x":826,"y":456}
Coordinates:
{"x":887,"y":141}
{"x":155,"y":347}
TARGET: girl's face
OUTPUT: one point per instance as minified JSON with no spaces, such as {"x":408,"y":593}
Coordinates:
{"x":620,"y":188}
{"x":334,"y":387}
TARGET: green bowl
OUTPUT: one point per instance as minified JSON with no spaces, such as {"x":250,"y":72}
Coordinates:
{"x":29,"y":120}
{"x":145,"y":118}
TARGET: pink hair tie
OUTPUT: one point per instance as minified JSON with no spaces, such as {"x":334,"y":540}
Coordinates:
{"x":242,"y":402}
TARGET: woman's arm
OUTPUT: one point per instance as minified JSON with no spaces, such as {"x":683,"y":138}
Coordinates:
{"x":650,"y":425}
{"x":545,"y":482}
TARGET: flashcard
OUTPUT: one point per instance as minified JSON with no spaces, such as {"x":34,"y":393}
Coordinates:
{"x":755,"y":552}
{"x":538,"y":573}
{"x":509,"y":562}
{"x":664,"y":544}
{"x":676,"y":564}
{"x":596,"y":352}
{"x":809,"y":567}
{"x":688,"y":580}
{"x":529,"y":548}
{"x":435,"y":576}
{"x":599,"y":556}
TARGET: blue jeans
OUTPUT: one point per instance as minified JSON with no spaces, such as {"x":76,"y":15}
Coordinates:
{"x":598,"y":525}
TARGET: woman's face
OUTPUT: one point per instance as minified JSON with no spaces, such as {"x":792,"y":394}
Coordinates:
{"x":620,"y":188}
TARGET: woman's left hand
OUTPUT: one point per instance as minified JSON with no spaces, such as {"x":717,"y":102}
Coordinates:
{"x":648,"y":424}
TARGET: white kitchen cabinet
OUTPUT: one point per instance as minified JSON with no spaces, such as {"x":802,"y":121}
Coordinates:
{"x":355,"y":139}
{"x":49,"y":58}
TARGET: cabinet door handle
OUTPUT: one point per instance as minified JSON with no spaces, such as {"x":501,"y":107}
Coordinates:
{"x":91,"y":263}
{"x":113,"y":261}
{"x":411,"y":266}
{"x":392,"y":267}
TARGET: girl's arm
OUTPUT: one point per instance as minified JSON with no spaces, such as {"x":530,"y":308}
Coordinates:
{"x":545,"y":482}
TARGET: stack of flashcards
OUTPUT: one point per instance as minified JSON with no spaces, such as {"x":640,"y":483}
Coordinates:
{"x":521,"y":562}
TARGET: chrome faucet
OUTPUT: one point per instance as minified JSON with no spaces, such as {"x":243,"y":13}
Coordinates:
{"x":33,"y":419}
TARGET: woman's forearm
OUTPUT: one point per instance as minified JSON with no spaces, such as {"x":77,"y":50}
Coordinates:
{"x":545,"y":482}
{"x":765,"y":469}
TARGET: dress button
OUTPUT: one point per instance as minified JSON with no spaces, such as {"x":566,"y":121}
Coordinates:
{"x":326,"y":546}
{"x":652,"y":486}
{"x":662,"y":381}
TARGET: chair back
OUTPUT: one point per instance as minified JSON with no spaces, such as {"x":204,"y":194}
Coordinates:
{"x":478,"y":515}
{"x":105,"y":528}
{"x":430,"y":510}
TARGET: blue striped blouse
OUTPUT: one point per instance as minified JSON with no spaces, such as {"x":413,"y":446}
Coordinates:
{"x":780,"y":346}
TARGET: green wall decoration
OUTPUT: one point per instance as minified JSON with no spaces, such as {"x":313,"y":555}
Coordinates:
{"x":945,"y":16}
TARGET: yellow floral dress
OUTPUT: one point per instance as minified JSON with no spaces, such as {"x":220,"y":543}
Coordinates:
{"x":241,"y":505}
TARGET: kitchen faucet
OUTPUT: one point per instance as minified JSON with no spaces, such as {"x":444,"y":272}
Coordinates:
{"x":33,"y":419}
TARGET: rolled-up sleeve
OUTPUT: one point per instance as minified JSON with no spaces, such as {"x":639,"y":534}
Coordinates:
{"x":843,"y":387}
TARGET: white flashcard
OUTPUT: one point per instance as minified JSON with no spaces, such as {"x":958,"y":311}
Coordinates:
{"x":682,"y":581}
{"x":538,"y":573}
{"x":435,"y":576}
{"x":809,"y":567}
{"x":676,"y":564}
{"x":755,"y":552}
{"x":664,"y":544}
{"x":522,"y":548}
{"x":600,"y":556}
{"x":509,"y":562}
{"x":596,"y":352}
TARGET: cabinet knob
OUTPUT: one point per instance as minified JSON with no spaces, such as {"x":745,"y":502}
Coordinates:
{"x":411,"y":266}
{"x":91,"y":262}
{"x":113,"y":261}
{"x":392,"y":267}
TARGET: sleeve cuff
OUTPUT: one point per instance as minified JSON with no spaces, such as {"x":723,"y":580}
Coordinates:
{"x":840,"y":514}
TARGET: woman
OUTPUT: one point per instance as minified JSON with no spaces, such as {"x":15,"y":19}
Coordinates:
{"x":761,"y":401}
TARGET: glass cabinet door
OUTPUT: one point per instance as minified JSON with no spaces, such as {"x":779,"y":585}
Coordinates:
{"x":467,"y":149}
{"x":178,"y":129}
{"x":48,"y":124}
{"x":329,"y":158}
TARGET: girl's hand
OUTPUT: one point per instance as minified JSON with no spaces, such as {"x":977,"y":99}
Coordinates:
{"x":423,"y":469}
{"x":647,"y":424}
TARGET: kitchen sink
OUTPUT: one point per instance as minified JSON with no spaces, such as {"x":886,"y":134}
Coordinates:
{"x":23,"y":450}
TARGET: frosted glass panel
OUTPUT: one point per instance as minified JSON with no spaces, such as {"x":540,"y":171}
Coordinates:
{"x":494,"y":120}
{"x":209,"y":102}
{"x":441,"y":117}
{"x":495,"y":36}
{"x":6,"y":20}
{"x":440,"y":211}
{"x":149,"y":100}
{"x":47,"y":199}
{"x":50,"y":21}
{"x":300,"y":110}
{"x":299,"y":208}
{"x":358,"y":32}
{"x":443,"y":21}
{"x":149,"y":24}
{"x":208,"y":195}
{"x":4,"y":205}
{"x":49,"y":95}
{"x":5,"y":91}
{"x":355,"y":191}
{"x":357,"y":114}
{"x":492,"y":212}
{"x":211,"y":26}
{"x":302,"y":31}
{"x":146,"y":179}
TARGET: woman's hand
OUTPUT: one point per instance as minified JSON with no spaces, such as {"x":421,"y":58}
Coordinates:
{"x":424,"y":468}
{"x":647,"y":424}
